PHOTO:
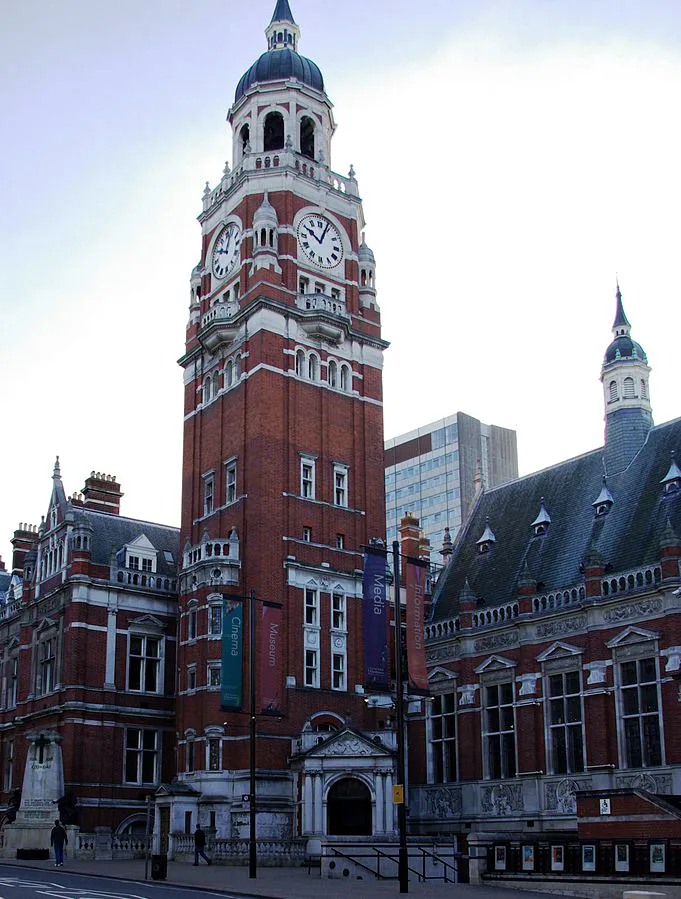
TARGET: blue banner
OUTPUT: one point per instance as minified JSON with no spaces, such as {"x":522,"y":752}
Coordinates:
{"x":375,"y":619}
{"x":231,"y":690}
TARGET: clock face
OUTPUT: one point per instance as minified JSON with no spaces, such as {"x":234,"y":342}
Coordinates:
{"x":320,"y":241}
{"x":226,"y":250}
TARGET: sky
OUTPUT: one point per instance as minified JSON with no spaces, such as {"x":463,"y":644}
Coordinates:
{"x":514,"y":158}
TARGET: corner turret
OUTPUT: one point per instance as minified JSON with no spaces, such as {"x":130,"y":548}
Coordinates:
{"x":628,"y":413}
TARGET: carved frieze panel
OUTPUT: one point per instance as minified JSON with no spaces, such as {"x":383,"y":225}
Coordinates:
{"x":443,"y":802}
{"x":561,"y":626}
{"x":502,"y":799}
{"x":633,"y":610}
{"x":559,"y":795}
{"x":653,"y":783}
{"x":443,"y":654}
{"x":496,"y":641}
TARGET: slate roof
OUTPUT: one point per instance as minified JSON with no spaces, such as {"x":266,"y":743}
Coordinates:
{"x":114,"y":531}
{"x":5,"y":581}
{"x":627,"y":537}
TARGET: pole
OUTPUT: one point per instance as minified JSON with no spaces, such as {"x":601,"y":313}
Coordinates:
{"x":252,"y":863}
{"x":403,"y":865}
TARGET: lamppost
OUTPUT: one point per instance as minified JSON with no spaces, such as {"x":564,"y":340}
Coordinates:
{"x":403,"y":861}
{"x":252,"y":718}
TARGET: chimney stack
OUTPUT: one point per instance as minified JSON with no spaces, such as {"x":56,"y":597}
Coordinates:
{"x":102,"y":493}
{"x":25,"y":540}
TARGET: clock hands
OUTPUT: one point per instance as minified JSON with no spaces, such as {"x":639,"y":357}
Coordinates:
{"x":312,"y":234}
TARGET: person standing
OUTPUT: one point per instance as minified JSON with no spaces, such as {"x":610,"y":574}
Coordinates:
{"x":58,"y":839}
{"x":200,"y":845}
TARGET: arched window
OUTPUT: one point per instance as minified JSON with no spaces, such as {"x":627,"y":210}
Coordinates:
{"x":207,"y":390}
{"x":612,"y":388}
{"x":333,"y":374}
{"x":274,"y":132}
{"x":245,"y":137}
{"x":363,"y":277}
{"x":345,"y":379}
{"x":307,"y":137}
{"x":313,"y":368}
{"x":229,"y":373}
{"x":644,"y":389}
{"x":629,"y":392}
{"x":300,"y":363}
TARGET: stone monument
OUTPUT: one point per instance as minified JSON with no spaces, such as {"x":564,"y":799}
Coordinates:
{"x":43,"y":786}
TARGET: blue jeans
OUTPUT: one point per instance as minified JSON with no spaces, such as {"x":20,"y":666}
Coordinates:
{"x":59,"y":854}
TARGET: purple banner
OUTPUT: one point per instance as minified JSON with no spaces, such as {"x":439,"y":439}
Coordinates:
{"x":416,"y":610}
{"x":375,"y":620}
{"x":271,"y":641}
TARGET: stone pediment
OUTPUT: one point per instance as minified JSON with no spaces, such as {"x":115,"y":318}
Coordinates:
{"x":141,"y":542}
{"x":348,"y":744}
{"x":146,"y":622}
{"x":632,"y":635}
{"x":495,"y":663}
{"x":438,"y":676}
{"x":559,"y":650}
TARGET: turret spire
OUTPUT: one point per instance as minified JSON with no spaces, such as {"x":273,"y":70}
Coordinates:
{"x":282,"y":32}
{"x":621,"y":324}
{"x":282,"y":13}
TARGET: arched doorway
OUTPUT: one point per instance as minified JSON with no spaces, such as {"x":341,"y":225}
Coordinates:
{"x":349,"y":808}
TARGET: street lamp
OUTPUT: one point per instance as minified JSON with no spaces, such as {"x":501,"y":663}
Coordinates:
{"x":403,"y":861}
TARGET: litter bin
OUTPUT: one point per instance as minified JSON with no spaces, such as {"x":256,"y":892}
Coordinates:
{"x":159,"y":867}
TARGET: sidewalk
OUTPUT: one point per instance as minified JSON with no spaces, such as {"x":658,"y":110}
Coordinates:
{"x":275,"y":883}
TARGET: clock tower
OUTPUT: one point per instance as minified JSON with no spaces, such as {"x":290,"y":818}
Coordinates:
{"x":283,"y":480}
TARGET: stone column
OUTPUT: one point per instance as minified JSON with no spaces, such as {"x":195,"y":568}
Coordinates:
{"x":308,"y":807}
{"x":318,"y":804}
{"x":109,"y":675}
{"x":379,"y":823}
{"x":390,"y":813}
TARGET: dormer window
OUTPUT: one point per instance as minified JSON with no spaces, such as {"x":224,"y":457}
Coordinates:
{"x":672,"y":480}
{"x":604,"y":501}
{"x":487,"y":541}
{"x":139,"y":555}
{"x":541,"y":523}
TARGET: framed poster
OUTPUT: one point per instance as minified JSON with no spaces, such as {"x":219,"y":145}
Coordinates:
{"x":588,"y":857}
{"x":557,"y":858}
{"x":622,"y":857}
{"x":528,"y":857}
{"x":499,"y":858}
{"x":657,"y":858}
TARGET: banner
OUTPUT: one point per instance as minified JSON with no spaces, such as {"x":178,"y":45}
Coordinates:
{"x":231,"y":690}
{"x":271,"y":640}
{"x":375,"y":620}
{"x":416,"y":651}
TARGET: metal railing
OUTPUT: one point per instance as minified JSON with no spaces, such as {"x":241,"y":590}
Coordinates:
{"x":418,"y":857}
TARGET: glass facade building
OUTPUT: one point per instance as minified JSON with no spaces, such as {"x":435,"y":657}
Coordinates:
{"x":434,"y":472}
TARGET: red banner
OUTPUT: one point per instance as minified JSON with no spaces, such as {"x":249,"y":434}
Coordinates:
{"x":271,"y":639}
{"x":416,"y":650}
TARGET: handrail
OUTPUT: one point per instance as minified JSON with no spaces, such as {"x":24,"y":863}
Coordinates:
{"x":375,"y":852}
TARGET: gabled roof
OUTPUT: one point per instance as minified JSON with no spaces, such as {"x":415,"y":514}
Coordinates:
{"x":628,"y":537}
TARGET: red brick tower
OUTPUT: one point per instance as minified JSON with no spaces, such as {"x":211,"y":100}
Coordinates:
{"x":283,"y":444}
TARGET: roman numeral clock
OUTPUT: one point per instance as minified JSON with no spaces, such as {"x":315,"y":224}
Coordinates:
{"x":320,"y":241}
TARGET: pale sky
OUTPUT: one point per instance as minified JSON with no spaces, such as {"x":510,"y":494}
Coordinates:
{"x":513,"y":156}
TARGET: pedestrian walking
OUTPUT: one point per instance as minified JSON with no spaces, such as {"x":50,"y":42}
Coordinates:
{"x":58,"y":839}
{"x":200,"y":845}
